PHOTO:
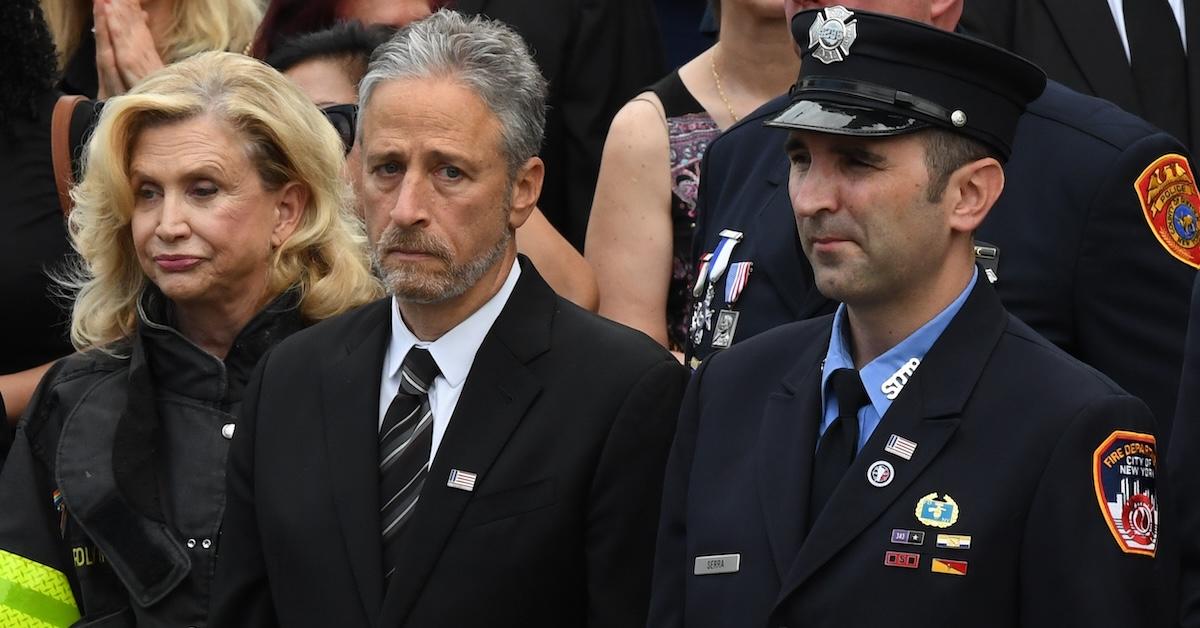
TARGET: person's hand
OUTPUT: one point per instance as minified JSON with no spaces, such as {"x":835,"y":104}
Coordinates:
{"x":125,"y":48}
{"x":107,"y":74}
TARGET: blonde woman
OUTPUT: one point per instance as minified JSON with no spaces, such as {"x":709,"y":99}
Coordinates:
{"x":106,"y":46}
{"x":212,"y":222}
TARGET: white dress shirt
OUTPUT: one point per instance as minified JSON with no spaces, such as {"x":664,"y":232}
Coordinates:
{"x":454,"y":353}
{"x":1118,"y":12}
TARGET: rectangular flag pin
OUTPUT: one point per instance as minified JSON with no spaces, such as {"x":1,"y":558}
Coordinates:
{"x":954,"y":541}
{"x":953,"y":567}
{"x":900,"y":446}
{"x":461,"y":480}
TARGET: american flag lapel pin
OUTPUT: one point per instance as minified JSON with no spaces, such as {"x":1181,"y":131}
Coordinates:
{"x":900,"y":446}
{"x":461,"y":480}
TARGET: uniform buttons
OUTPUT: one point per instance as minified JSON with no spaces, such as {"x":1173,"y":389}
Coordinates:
{"x":227,"y":431}
{"x":206,"y":544}
{"x":191,"y":543}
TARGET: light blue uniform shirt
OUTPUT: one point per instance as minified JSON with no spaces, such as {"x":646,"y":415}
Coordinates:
{"x":878,"y":371}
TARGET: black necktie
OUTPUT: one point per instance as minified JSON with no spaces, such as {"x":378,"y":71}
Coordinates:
{"x":1159,"y":64}
{"x":839,"y":444}
{"x":405,"y":441}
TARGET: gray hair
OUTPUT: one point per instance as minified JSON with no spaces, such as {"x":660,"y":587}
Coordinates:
{"x":485,"y":55}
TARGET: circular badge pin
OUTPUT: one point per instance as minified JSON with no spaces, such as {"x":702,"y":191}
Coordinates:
{"x":880,"y":473}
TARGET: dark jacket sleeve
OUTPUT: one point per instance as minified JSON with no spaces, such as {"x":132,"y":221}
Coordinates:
{"x":1067,"y":575}
{"x":625,"y":497}
{"x":1131,"y":295}
{"x":35,"y":563}
{"x":6,"y":435}
{"x":670,"y":560}
{"x":241,"y":596}
{"x":1183,"y":467}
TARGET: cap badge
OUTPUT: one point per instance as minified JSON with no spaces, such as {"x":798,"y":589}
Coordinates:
{"x":832,"y":35}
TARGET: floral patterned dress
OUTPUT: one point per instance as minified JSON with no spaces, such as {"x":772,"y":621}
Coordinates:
{"x":689,"y":130}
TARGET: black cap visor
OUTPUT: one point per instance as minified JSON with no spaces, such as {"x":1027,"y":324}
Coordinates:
{"x":840,"y":119}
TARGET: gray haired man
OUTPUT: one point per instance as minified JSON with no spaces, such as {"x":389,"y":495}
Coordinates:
{"x":472,"y":450}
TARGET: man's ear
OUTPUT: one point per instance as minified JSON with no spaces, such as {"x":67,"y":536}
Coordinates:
{"x":945,"y":14}
{"x":972,"y":190}
{"x":292,"y":200}
{"x":527,"y":187}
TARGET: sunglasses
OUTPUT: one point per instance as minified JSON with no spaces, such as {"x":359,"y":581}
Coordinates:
{"x":343,"y":118}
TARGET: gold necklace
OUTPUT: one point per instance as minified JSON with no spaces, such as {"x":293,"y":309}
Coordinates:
{"x":712,"y":64}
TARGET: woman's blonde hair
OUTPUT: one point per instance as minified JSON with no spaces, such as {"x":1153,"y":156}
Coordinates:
{"x":286,"y":139}
{"x":196,"y":26}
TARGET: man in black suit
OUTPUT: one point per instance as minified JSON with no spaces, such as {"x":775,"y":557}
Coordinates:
{"x":596,"y":54}
{"x":1132,"y":53}
{"x":921,"y":457}
{"x":475,"y":451}
{"x":1078,"y":260}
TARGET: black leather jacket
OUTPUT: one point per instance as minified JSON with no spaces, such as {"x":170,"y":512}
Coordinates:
{"x":117,"y":475}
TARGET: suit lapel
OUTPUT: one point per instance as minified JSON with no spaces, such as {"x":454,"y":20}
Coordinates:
{"x":1093,"y":42}
{"x":351,"y":413}
{"x":927,"y":412}
{"x":787,"y":438}
{"x":498,"y":392}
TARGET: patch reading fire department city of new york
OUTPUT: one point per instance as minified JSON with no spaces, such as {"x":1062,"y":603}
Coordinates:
{"x":1123,"y":468}
{"x":1171,"y":205}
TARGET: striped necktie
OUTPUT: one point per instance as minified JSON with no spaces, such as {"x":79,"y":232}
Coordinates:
{"x":405,"y":441}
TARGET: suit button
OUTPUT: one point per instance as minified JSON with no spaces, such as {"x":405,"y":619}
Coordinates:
{"x":206,"y":544}
{"x":191,"y":543}
{"x":227,"y":431}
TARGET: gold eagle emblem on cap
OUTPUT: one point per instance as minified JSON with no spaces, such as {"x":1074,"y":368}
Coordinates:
{"x":831,"y":35}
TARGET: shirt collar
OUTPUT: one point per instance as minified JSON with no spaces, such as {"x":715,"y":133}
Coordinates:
{"x":883,"y":367}
{"x":455,"y":350}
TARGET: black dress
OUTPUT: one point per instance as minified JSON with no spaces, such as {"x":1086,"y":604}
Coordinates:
{"x":689,"y":131}
{"x":33,"y":239}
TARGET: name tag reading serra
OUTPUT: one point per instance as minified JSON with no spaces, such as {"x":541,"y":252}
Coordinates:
{"x":717,"y":563}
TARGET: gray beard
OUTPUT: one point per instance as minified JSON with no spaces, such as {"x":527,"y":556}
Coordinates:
{"x":416,"y":287}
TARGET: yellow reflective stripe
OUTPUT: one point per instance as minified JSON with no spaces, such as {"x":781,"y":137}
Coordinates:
{"x":33,"y":595}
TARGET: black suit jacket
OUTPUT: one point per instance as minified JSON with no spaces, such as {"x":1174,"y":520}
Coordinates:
{"x":597,"y":54}
{"x":1077,"y":43}
{"x":1004,"y":423}
{"x":1078,"y":262}
{"x":565,"y":417}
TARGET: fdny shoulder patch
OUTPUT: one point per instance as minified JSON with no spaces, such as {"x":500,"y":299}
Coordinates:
{"x":1123,"y":470}
{"x":1170,"y":204}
